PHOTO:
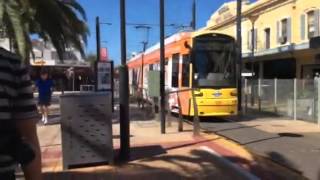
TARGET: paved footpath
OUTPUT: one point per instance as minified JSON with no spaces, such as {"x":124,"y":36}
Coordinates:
{"x":294,"y":144}
{"x":171,"y":156}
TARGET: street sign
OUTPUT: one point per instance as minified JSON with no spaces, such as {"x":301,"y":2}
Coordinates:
{"x":104,"y":76}
{"x":104,"y":54}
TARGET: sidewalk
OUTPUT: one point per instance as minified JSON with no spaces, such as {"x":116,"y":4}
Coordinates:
{"x":170,"y":156}
{"x":294,"y":144}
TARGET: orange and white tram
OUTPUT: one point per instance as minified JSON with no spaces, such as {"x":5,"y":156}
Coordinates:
{"x":204,"y":61}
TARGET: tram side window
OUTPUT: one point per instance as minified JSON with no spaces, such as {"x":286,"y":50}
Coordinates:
{"x":175,"y":70}
{"x":186,"y":70}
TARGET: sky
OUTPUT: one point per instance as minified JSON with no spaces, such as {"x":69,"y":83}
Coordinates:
{"x":178,"y":12}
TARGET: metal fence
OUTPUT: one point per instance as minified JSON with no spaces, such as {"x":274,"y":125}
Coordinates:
{"x":292,"y":98}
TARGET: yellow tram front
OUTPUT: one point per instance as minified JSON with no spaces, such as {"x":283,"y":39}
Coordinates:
{"x":213,"y":74}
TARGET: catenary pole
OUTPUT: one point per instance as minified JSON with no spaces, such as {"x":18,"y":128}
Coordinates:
{"x":124,"y":90}
{"x":162,"y":66}
{"x":239,"y":54}
{"x":194,"y":16}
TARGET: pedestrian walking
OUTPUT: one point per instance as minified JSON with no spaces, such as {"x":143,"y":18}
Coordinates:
{"x":45,"y":89}
{"x":19,"y":142}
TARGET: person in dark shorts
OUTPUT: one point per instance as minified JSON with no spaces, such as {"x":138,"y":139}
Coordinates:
{"x":44,"y":85}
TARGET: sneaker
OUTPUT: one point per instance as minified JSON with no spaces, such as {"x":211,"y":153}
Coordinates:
{"x":45,"y":121}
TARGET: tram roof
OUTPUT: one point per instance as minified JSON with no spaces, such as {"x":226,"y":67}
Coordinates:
{"x":168,"y":40}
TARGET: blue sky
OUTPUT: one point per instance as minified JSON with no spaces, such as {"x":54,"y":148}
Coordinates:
{"x":141,"y":11}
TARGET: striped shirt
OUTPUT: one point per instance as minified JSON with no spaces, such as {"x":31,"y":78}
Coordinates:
{"x":16,"y":100}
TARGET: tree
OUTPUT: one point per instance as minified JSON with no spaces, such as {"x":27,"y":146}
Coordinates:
{"x":92,"y":58}
{"x":53,"y":20}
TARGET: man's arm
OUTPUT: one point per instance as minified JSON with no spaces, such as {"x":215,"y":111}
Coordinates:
{"x":28,"y":131}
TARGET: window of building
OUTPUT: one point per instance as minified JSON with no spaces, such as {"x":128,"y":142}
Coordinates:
{"x":66,"y":56}
{"x":267,"y":32}
{"x":311,"y":24}
{"x":284,"y":31}
{"x":175,"y":70}
{"x":252,"y":38}
{"x":185,"y":70}
{"x":150,"y":67}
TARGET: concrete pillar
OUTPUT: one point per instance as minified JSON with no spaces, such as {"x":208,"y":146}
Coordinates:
{"x":261,"y":70}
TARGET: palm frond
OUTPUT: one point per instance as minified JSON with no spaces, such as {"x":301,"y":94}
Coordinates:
{"x":53,"y":20}
{"x":12,"y":9}
{"x":77,"y":7}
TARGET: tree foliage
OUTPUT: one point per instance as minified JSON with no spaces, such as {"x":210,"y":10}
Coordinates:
{"x":62,"y":22}
{"x":92,"y":58}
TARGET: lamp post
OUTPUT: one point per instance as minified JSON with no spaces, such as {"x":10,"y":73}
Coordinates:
{"x":124,"y":90}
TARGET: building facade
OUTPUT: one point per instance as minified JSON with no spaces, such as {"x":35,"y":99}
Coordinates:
{"x":280,"y":38}
{"x":46,"y":55}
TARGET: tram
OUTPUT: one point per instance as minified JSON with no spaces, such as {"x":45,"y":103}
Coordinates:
{"x":204,"y":61}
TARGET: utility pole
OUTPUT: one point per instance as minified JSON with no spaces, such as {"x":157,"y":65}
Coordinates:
{"x":162,"y":66}
{"x":144,"y":43}
{"x":253,"y":20}
{"x":194,"y":15}
{"x":98,"y":51}
{"x":124,"y":90}
{"x":239,"y":54}
{"x":98,"y":38}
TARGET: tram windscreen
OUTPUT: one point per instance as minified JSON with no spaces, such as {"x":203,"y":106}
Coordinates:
{"x":214,"y":61}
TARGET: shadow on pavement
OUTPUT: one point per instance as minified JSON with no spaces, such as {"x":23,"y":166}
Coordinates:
{"x":142,"y":152}
{"x":279,"y":158}
{"x":198,"y":165}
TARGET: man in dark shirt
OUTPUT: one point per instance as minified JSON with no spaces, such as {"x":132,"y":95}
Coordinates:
{"x":18,"y":118}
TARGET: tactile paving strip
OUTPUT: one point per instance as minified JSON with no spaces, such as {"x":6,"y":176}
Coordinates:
{"x":86,"y":129}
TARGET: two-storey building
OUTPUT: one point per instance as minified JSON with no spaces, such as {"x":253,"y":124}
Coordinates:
{"x":280,"y":38}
